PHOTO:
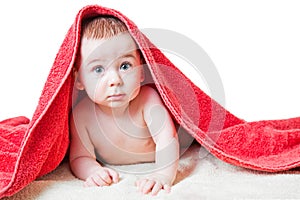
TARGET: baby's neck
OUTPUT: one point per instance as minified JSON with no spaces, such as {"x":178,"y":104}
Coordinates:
{"x":114,"y":112}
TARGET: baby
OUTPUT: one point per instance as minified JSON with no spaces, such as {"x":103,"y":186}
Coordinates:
{"x":119,"y":121}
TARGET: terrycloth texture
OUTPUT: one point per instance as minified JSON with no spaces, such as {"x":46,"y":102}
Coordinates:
{"x":33,"y":148}
{"x":200,"y":176}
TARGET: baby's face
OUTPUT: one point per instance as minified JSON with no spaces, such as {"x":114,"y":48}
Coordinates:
{"x":111,"y":72}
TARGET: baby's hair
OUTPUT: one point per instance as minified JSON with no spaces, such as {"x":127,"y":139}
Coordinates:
{"x":102,"y":27}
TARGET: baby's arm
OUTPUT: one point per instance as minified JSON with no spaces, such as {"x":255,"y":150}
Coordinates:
{"x":164,"y":135}
{"x":83,"y":160}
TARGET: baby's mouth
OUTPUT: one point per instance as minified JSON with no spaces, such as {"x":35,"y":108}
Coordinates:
{"x":116,"y":97}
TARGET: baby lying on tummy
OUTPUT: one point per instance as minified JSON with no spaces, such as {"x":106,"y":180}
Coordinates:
{"x":119,"y":121}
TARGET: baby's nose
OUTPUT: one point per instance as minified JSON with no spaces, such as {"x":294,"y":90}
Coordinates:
{"x":115,"y":79}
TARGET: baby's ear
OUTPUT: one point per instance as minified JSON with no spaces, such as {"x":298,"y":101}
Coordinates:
{"x":78,"y":83}
{"x":143,"y":63}
{"x":142,"y":73}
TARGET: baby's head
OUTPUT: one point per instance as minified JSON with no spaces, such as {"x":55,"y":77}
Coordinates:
{"x":101,"y":27}
{"x":109,"y":67}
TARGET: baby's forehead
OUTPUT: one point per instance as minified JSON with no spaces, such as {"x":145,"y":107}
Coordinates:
{"x":120,"y":39}
{"x":108,"y":48}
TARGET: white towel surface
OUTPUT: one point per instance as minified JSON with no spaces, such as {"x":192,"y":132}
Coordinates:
{"x":200,"y":176}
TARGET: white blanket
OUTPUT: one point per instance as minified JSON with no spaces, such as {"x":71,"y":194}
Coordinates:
{"x":200,"y":176}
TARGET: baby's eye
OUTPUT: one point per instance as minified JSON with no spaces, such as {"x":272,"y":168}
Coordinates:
{"x":98,"y":69}
{"x":125,"y":66}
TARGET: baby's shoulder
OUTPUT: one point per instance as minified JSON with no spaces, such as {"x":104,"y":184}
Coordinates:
{"x":82,"y":108}
{"x":147,"y":91}
{"x":149,"y":95}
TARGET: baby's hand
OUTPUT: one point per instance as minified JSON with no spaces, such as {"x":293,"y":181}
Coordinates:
{"x":102,"y":177}
{"x":154,"y":183}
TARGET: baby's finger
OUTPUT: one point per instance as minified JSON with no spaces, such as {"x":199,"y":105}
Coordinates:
{"x":104,"y":176}
{"x":167,"y":188}
{"x":114,"y":175}
{"x":141,"y":184}
{"x":99,"y":181}
{"x":89,"y":182}
{"x":156,"y":188}
{"x":148,"y":186}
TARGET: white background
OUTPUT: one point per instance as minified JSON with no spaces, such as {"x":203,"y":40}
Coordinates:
{"x":255,"y":46}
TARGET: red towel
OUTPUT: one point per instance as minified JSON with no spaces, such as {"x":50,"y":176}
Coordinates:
{"x":32,"y":148}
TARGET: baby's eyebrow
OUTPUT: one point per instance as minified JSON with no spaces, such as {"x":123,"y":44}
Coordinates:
{"x":129,"y":55}
{"x":89,"y":62}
